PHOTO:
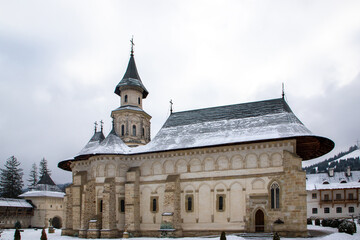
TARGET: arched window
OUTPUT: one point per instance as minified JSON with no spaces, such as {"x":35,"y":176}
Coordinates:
{"x":122,"y":130}
{"x":154,"y":206}
{"x":275,"y":195}
{"x":189,"y":203}
{"x":326,"y":182}
{"x":134,"y":130}
{"x":126,"y":98}
{"x":343,"y":181}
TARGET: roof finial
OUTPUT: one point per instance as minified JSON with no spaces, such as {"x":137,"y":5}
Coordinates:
{"x":102,"y":125}
{"x":171,"y":106}
{"x":283,"y":91}
{"x":95,"y":123}
{"x":132,"y":45}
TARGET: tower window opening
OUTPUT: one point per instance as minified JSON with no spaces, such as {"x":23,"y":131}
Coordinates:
{"x":221,"y":203}
{"x":126,"y":98}
{"x":143,"y":132}
{"x":275,"y":196}
{"x":122,"y":130}
{"x":138,"y":100}
{"x":134,"y":130}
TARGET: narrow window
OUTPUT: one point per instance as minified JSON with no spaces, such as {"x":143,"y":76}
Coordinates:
{"x":351,"y":209}
{"x":154,"y":205}
{"x":189,"y":203}
{"x":122,"y":205}
{"x":314,"y":210}
{"x":143,"y":132}
{"x":134,"y":130}
{"x":139,"y":101}
{"x":221,"y":203}
{"x":314,"y":196}
{"x":122,"y":130}
{"x":101,"y":206}
{"x":351,"y":196}
{"x":275,"y":196}
{"x":126,"y":98}
{"x":326,"y":210}
{"x":338,"y":210}
{"x":338,"y":196}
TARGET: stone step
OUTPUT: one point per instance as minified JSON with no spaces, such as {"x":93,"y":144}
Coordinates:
{"x":255,"y":236}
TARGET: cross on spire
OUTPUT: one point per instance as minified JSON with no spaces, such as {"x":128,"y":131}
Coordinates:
{"x":132,"y":45}
{"x":102,"y":125}
{"x":171,"y":106}
{"x":95,"y":123}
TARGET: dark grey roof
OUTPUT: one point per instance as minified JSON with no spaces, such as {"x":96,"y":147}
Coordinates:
{"x":129,"y":107}
{"x":131,"y":79}
{"x":236,"y":111}
{"x":46,"y":179}
{"x":98,"y":136}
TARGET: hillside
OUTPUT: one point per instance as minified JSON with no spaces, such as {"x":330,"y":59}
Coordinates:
{"x":339,"y":162}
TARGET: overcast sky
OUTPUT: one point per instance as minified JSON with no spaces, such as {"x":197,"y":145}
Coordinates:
{"x":61,"y":60}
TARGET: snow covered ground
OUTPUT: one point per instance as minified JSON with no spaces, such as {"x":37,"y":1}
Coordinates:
{"x":31,"y":234}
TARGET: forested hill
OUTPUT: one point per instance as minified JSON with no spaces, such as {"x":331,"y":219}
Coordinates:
{"x":339,"y":162}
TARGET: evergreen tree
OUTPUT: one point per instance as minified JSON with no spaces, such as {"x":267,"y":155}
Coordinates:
{"x":33,"y":176}
{"x":11,"y":182}
{"x":17,"y":235}
{"x":43,"y":168}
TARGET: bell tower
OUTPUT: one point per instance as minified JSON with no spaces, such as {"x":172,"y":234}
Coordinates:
{"x":131,"y":122}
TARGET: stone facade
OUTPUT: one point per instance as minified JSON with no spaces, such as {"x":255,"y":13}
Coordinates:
{"x":241,"y":174}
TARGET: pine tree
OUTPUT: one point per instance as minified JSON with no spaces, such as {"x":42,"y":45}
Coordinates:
{"x":43,"y":168}
{"x":11,"y":182}
{"x":33,"y":176}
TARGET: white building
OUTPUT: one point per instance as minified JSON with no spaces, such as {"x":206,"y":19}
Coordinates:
{"x":333,"y":194}
{"x":48,"y":201}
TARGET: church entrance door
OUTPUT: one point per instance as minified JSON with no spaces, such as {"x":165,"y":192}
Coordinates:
{"x":259,"y":221}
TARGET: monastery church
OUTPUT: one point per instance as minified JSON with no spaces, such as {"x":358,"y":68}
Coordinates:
{"x":233,"y":168}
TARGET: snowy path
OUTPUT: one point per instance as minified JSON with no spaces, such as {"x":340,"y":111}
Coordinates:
{"x":31,"y":234}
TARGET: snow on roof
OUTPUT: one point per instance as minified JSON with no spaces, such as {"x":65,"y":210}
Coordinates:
{"x":247,"y":122}
{"x":43,"y":194}
{"x":316,"y":181}
{"x":11,"y":202}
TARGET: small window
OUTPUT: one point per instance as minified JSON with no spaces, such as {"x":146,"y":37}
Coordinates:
{"x":101,"y":206}
{"x":122,"y":130}
{"x":338,"y":210}
{"x":122,"y":205}
{"x":343,"y":181}
{"x":314,"y":210}
{"x":351,"y":209}
{"x":338,"y":196}
{"x":138,"y":100}
{"x":143,"y":132}
{"x":154,"y":204}
{"x":351,"y":196}
{"x":314,"y":196}
{"x":50,"y":206}
{"x":134,"y":130}
{"x":220,"y":203}
{"x":275,"y":196}
{"x":326,"y":210}
{"x":326,"y":182}
{"x":326,"y":197}
{"x":126,"y":98}
{"x":189,"y":203}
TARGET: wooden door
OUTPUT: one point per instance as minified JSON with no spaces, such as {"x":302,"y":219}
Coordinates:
{"x":259,"y":221}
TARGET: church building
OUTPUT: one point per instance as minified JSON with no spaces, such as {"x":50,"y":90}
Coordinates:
{"x":233,"y":168}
